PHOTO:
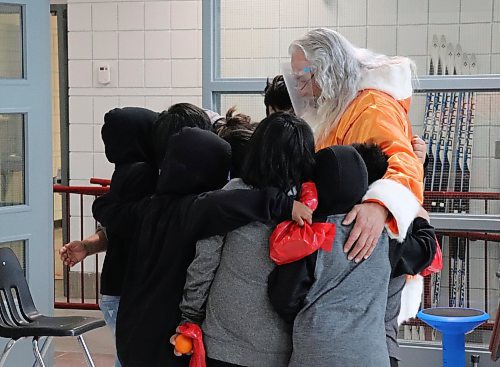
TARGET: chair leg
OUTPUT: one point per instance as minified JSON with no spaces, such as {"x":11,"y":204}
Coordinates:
{"x":90,"y":362}
{"x":6,"y":351}
{"x":36,"y":352}
{"x":45,"y":348}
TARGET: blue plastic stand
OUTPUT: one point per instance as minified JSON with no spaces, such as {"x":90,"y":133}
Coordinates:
{"x":453,"y":323}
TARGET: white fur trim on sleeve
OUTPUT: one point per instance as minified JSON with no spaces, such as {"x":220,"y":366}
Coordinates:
{"x":411,"y":298}
{"x":399,"y":200}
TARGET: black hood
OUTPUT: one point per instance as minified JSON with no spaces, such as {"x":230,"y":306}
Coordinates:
{"x":134,"y":181}
{"x":341,"y":179}
{"x":196,"y":161}
{"x":126,"y":134}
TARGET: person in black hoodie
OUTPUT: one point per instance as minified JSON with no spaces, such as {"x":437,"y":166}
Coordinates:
{"x":134,"y":140}
{"x":167,"y":225}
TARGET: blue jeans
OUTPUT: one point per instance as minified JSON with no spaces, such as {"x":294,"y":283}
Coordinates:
{"x":109,"y":307}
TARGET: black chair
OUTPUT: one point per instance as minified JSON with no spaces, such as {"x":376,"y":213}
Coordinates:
{"x":20,"y":319}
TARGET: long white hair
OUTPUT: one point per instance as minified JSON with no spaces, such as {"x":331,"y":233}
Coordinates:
{"x":338,"y":66}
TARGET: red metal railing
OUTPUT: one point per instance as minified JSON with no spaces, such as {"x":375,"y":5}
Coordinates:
{"x":72,"y":301}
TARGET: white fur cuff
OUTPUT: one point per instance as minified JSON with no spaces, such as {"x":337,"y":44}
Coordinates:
{"x":399,"y":200}
{"x":411,"y":298}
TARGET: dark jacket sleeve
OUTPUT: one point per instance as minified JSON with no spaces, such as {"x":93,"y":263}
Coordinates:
{"x":120,"y":209}
{"x":117,"y":215}
{"x":289,"y":284}
{"x":219,"y":212}
{"x":417,"y":250}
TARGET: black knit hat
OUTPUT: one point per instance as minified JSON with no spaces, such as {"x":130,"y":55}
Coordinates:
{"x":341,"y":179}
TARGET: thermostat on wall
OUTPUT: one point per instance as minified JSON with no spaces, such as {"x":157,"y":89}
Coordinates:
{"x":104,"y":74}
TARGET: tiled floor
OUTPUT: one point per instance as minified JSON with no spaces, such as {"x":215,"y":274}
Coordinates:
{"x":68,"y":353}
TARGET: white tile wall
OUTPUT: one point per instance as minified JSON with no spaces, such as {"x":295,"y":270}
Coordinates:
{"x":158,"y":73}
{"x":81,"y":137}
{"x":131,"y":45}
{"x":323,"y":13}
{"x":81,"y":110}
{"x":496,"y":11}
{"x":444,"y":11}
{"x":413,"y":12}
{"x":234,"y":68}
{"x":352,"y":13}
{"x":186,"y":44}
{"x":495,"y":44}
{"x":476,"y":38}
{"x":237,"y":14}
{"x":412,"y":40}
{"x":386,"y":17}
{"x":81,"y":165}
{"x":157,"y":15}
{"x":131,"y":73}
{"x":264,"y":67}
{"x":268,"y":49}
{"x":495,"y":64}
{"x":234,"y":43}
{"x":186,"y":73}
{"x":184,"y":14}
{"x":475,"y":11}
{"x":104,"y":16}
{"x":131,"y":16}
{"x":79,"y":45}
{"x":294,"y":13}
{"x":79,"y":17}
{"x":265,"y":14}
{"x":158,"y":45}
{"x":105,"y":45}
{"x":382,"y":39}
{"x":80,"y":73}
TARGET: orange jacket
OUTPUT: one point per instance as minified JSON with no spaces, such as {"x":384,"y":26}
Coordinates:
{"x":377,"y":117}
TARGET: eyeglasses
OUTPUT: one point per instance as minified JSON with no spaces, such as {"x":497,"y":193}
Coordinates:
{"x":304,"y":83}
{"x":301,"y":81}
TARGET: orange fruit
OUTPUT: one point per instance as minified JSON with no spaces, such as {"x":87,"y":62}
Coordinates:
{"x":183,"y":344}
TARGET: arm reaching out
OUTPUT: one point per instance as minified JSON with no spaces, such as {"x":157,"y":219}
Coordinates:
{"x":76,"y":251}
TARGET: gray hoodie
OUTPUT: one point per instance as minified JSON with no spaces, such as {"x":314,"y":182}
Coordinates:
{"x":226,"y":286}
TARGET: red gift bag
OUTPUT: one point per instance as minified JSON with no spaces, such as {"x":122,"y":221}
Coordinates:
{"x":436,"y":264}
{"x":289,"y":242}
{"x":194,"y":332}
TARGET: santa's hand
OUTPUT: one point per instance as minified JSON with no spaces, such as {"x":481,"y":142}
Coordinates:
{"x":369,"y":223}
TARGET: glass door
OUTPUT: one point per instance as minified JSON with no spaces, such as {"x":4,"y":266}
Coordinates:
{"x":26,"y":150}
